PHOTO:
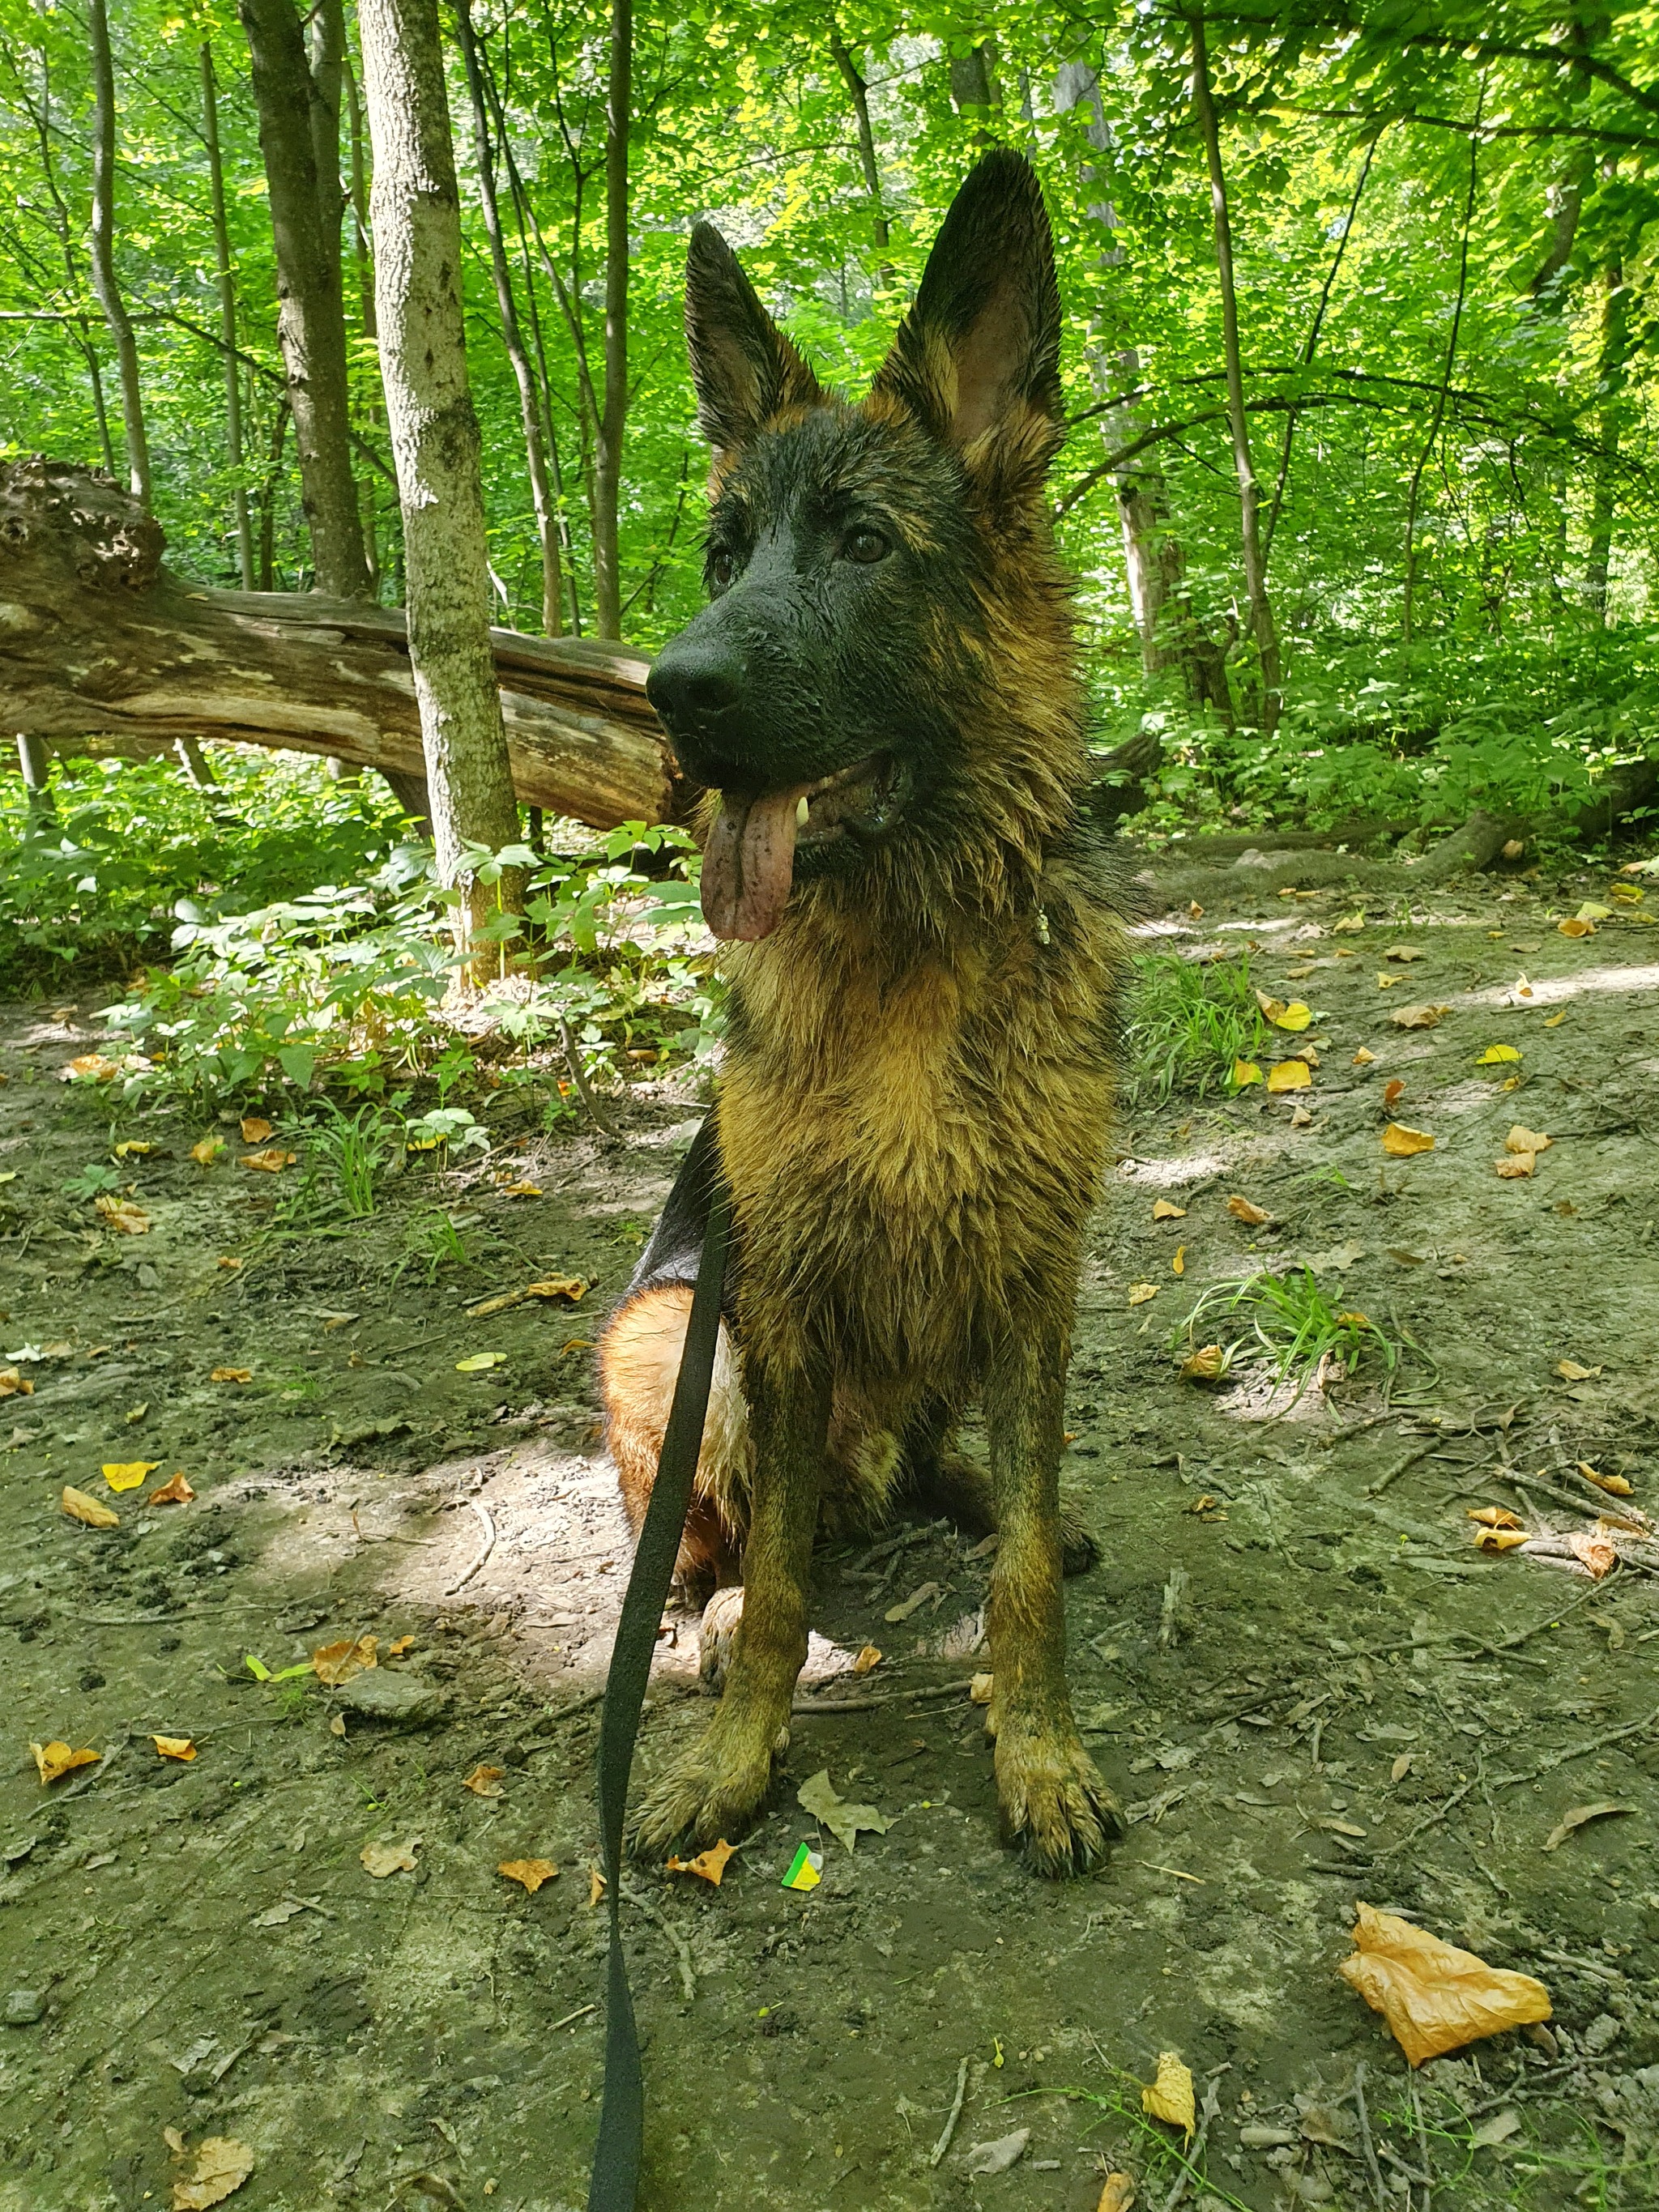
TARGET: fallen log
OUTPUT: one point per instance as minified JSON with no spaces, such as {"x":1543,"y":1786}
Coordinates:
{"x":101,"y":644}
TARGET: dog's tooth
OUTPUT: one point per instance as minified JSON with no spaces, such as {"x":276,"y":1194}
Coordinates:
{"x":802,"y":810}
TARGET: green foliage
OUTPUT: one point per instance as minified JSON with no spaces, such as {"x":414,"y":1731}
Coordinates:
{"x":1188,"y":1023}
{"x":1293,"y":1321}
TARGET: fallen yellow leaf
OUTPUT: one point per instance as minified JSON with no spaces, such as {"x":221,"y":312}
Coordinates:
{"x":1387,"y":982}
{"x":175,"y":1491}
{"x":230,"y":1262}
{"x":1495,"y":1055}
{"x":1404,"y":952}
{"x":868,"y":1659}
{"x":1574,"y":928}
{"x":1178,"y":1265}
{"x":1494,"y":1516}
{"x":1499,"y":1539}
{"x":80,"y":1507}
{"x":206,"y":1150}
{"x":127,"y":1475}
{"x":980,"y":1687}
{"x":1363,"y":1058}
{"x":1554,"y":1021}
{"x":1295,"y":1016}
{"x":272,"y":1161}
{"x":1208,"y":1365}
{"x":1245,"y":1072}
{"x":710,"y":1865}
{"x":1614,"y":1484}
{"x":132,"y":1148}
{"x":91,"y":1067}
{"x":1520,"y":1140}
{"x":231,"y":1375}
{"x":532,"y":1873}
{"x":1118,"y":2193}
{"x":1242,"y":1210}
{"x":1350,"y":921}
{"x":595,"y":1885}
{"x":14,"y":1385}
{"x":485,"y":1781}
{"x":1171,"y":2097}
{"x":382,"y":1859}
{"x":1570,"y":1371}
{"x":174,"y":1747}
{"x":221,"y":2166}
{"x":1593,"y":1552}
{"x":54,"y":1760}
{"x":255,"y":1129}
{"x":398,"y":1645}
{"x":1514,"y":1165}
{"x":476,"y":1362}
{"x":1163,"y":1211}
{"x":1401,"y":1143}
{"x":1140,"y":1292}
{"x":521,"y":1190}
{"x":334,"y":1663}
{"x":1418,"y":1018}
{"x":1289,"y":1075}
{"x":123,"y":1215}
{"x":1434,"y":1997}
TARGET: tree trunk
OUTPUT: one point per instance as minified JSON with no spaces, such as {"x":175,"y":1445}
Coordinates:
{"x":227,"y":320}
{"x":415,"y":213}
{"x":105,"y":650}
{"x":613,"y":417}
{"x":530,"y":406}
{"x":974,"y":84}
{"x":1249,"y":491}
{"x":310,"y":311}
{"x":858,"y":91}
{"x":105,"y":285}
{"x":1610,"y":378}
{"x":363,"y":263}
{"x":35,"y":758}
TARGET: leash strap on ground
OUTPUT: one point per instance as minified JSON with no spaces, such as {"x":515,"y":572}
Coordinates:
{"x":615,"y":2177}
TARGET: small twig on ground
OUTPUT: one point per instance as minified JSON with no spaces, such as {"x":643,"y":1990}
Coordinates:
{"x":682,"y":1948}
{"x":1422,"y":2146}
{"x":589,"y":1698}
{"x":937,"y":2153}
{"x":1171,"y":1614}
{"x":581,"y":2013}
{"x":489,"y":1527}
{"x":944,"y":1690}
{"x":1379,"y":2194}
{"x":1409,"y":1459}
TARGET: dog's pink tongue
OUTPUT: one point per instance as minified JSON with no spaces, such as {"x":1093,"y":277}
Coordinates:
{"x":749,"y":865}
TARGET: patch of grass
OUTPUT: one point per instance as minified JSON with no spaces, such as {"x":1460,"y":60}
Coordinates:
{"x":358,"y":1148}
{"x":1188,"y":1026}
{"x":1293,"y":1322}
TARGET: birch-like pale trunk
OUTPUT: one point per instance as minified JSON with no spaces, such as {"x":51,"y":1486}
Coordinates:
{"x":226,"y":319}
{"x":105,"y":283}
{"x":415,"y":216}
{"x":613,"y":415}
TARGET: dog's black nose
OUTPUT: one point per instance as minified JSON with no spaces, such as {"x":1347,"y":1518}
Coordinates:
{"x":695,"y":683}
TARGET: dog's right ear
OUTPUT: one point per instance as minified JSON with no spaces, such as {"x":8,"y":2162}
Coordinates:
{"x":744,"y":369}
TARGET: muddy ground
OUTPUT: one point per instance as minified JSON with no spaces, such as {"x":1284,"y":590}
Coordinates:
{"x":1341,"y":1700}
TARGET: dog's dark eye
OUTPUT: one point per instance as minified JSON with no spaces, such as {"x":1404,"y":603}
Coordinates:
{"x":722,"y":567}
{"x":865,"y":546}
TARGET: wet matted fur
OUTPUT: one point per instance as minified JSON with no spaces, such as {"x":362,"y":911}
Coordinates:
{"x":912,"y":1118}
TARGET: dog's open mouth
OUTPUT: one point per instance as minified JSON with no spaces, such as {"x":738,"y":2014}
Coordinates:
{"x":749,"y":864}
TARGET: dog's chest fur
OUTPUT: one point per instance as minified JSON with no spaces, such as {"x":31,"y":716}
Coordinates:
{"x":914,"y":1134}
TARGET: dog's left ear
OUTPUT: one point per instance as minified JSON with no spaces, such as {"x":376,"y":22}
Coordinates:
{"x":977,"y":358}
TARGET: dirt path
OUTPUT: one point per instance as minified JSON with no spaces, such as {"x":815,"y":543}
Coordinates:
{"x":1292,"y":1663}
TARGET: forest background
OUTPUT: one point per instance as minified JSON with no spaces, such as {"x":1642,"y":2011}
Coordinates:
{"x":1359,"y":356}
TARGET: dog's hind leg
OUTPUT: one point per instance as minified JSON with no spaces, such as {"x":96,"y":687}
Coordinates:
{"x":942,"y":1480}
{"x":1052,"y":1798}
{"x":715,"y":1787}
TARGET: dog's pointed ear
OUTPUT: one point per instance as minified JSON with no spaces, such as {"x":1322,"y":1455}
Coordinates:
{"x":977,"y":358}
{"x":743,"y":368}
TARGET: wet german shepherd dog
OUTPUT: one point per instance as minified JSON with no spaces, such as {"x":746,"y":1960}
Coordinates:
{"x":883,"y":699}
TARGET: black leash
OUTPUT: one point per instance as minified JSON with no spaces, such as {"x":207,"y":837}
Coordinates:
{"x":615,"y":2177}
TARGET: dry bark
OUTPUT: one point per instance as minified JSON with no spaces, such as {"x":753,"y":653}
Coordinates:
{"x":102,"y":649}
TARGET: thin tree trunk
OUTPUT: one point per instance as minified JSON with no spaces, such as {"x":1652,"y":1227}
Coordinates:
{"x":105,"y":285}
{"x":1408,"y":608}
{"x":858,"y":91}
{"x":310,"y":311}
{"x":416,"y":211}
{"x":268,"y":499}
{"x":974,"y":84}
{"x":1610,"y":378}
{"x":613,"y":416}
{"x":364,"y":265}
{"x":1249,"y":491}
{"x":40,"y":117}
{"x":35,"y":758}
{"x":512,"y":334}
{"x":227,"y":320}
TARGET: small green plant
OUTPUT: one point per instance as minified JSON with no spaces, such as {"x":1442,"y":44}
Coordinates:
{"x":358,"y":1148}
{"x":431,"y":1240}
{"x":447,"y":1129}
{"x":92,"y":1180}
{"x":1189,"y":1024}
{"x":1293,"y":1322}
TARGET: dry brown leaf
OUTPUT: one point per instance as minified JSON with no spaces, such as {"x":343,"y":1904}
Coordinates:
{"x":532,"y":1873}
{"x":56,"y":1759}
{"x":334,"y":1663}
{"x":93,"y":1067}
{"x":1402,"y":1766}
{"x":175,"y":1491}
{"x":230,"y":1262}
{"x":1363,"y":1058}
{"x":1418,"y":1018}
{"x":174,"y":1747}
{"x":398,"y":1645}
{"x":1288,"y":1075}
{"x":485,"y":1781}
{"x":1118,"y":2193}
{"x":1207,"y":1364}
{"x":1394,"y":1088}
{"x":569,"y":1288}
{"x":126,"y":1218}
{"x":14,"y":1385}
{"x":80,"y":1507}
{"x":1400,"y":1142}
{"x":1514,"y":1167}
{"x":1403,"y":952}
{"x":1593,"y":1552}
{"x":1572,"y":926}
{"x":1499,"y":1539}
{"x":221,"y":2166}
{"x":231,"y":1375}
{"x":1139,"y":1293}
{"x":595,"y":1885}
{"x":1434,"y":1997}
{"x":206,"y":1150}
{"x":1241,"y":1210}
{"x":1580,"y":1817}
{"x":255,"y":1129}
{"x":1570,"y":1371}
{"x":1494,"y":1516}
{"x":1171,"y":2097}
{"x":1615,"y":1484}
{"x":868,"y":1658}
{"x":382,"y":1859}
{"x":1387,"y":982}
{"x":1163,"y":1211}
{"x":979,"y":1688}
{"x":272,"y":1161}
{"x":708,"y":1866}
{"x":1523,"y":1139}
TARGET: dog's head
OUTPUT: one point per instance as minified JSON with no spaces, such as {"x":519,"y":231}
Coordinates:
{"x":877,"y":572}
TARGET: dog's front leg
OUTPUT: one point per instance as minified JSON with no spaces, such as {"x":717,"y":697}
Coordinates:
{"x":715,"y":1787}
{"x":1052,"y":1799}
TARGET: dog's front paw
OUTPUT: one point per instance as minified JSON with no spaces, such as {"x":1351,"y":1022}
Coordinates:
{"x":712,"y":1789}
{"x":1054,"y":1800}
